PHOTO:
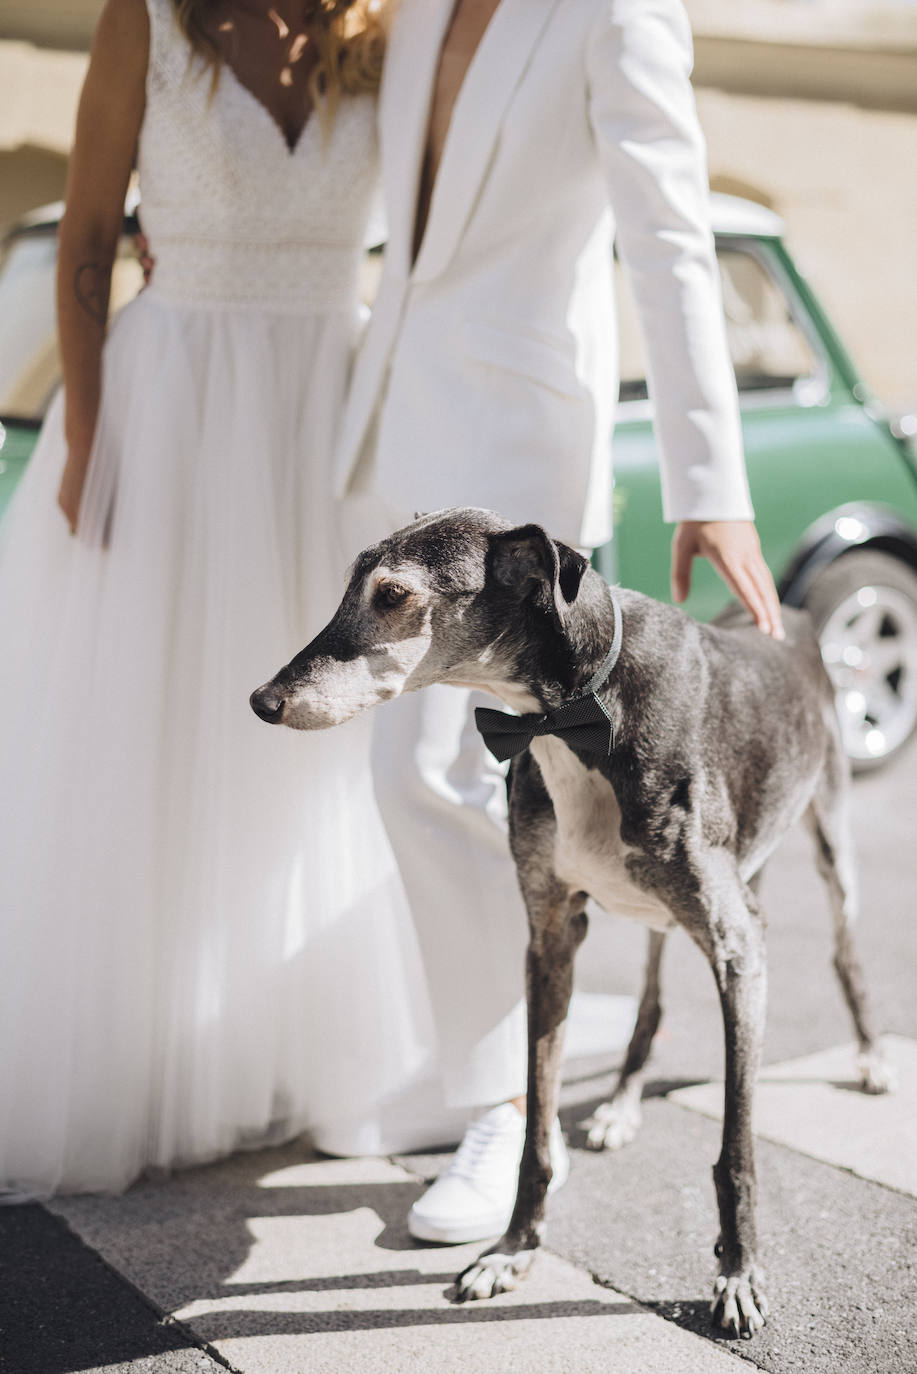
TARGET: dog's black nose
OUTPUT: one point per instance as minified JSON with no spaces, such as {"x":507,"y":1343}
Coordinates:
{"x":267,"y":703}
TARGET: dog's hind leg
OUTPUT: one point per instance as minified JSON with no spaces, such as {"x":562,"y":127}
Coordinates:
{"x":828,"y":818}
{"x":616,"y":1122}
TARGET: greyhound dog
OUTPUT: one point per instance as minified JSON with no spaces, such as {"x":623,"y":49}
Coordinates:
{"x":657,"y":763}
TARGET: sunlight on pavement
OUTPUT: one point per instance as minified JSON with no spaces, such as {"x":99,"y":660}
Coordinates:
{"x":814,"y":1105}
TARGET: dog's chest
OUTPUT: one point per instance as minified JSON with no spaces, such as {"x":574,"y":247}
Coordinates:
{"x":588,"y":850}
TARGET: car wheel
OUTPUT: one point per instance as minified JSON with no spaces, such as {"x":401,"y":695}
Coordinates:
{"x":864,"y":607}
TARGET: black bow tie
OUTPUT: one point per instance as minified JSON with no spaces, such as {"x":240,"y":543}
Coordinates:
{"x":583,"y":722}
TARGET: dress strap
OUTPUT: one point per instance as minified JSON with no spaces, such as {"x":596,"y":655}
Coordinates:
{"x":168,"y":45}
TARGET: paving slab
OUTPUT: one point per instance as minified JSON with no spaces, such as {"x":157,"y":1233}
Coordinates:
{"x":281,"y":1263}
{"x":839,"y":1253}
{"x":815,"y":1105}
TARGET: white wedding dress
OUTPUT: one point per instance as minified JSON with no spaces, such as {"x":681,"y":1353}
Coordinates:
{"x":203,"y":938}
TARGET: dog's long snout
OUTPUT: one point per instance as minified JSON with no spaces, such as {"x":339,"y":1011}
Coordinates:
{"x":268,"y":703}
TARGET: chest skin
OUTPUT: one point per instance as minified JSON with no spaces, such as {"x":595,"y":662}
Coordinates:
{"x":272,"y":59}
{"x":469,"y":22}
{"x":589,"y":852}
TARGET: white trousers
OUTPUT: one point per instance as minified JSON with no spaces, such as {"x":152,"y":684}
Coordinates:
{"x":443,"y":801}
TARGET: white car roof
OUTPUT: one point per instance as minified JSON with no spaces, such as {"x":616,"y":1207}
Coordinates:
{"x":733,"y":215}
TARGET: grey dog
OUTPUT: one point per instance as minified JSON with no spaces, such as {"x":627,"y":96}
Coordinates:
{"x":711,"y":740}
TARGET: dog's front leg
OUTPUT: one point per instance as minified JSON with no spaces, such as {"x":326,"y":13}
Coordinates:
{"x":557,"y":926}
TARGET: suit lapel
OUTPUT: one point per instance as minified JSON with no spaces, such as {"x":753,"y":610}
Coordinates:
{"x":490,"y":82}
{"x":411,"y":63}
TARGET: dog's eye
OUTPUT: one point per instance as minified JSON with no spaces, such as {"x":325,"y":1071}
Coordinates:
{"x":390,"y":594}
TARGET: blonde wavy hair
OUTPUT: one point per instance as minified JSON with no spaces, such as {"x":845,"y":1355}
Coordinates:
{"x":349,"y":36}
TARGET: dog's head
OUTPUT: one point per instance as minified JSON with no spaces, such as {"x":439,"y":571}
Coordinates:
{"x":457,"y":597}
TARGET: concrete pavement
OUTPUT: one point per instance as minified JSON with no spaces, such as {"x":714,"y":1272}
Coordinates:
{"x":281,"y":1261}
{"x":281,"y":1265}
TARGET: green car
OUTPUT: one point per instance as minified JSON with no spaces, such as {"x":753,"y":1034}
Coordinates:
{"x":833,"y":478}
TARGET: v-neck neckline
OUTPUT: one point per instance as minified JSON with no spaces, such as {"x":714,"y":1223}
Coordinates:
{"x":418,"y":230}
{"x":291,"y":149}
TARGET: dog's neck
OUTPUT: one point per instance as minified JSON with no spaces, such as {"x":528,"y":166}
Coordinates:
{"x":549,"y":673}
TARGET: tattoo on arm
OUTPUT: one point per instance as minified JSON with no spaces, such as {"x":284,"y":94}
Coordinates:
{"x":91,"y":286}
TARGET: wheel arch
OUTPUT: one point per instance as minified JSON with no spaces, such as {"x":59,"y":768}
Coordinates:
{"x":857,"y":525}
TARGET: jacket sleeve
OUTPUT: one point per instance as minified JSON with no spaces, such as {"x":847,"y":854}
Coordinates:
{"x":649,"y":142}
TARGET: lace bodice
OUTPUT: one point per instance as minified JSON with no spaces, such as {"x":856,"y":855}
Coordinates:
{"x":234,"y":216}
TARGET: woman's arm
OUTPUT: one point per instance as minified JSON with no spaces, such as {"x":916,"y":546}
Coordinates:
{"x":652,"y":149}
{"x":108,"y":124}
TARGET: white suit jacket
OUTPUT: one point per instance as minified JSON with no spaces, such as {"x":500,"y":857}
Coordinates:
{"x":488,"y":373}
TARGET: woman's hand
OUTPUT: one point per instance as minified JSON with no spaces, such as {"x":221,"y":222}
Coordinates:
{"x":107,"y":128}
{"x":144,"y":256}
{"x":73,"y":480}
{"x":732,"y":547}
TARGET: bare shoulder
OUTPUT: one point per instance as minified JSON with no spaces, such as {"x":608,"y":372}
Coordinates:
{"x":118,"y":60}
{"x":111,"y":110}
{"x":122,"y":35}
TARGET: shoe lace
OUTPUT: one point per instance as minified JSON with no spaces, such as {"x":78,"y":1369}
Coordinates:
{"x":482,"y":1142}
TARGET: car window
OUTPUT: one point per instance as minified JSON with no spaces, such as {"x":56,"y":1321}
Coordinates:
{"x":29,"y":357}
{"x":770,"y":352}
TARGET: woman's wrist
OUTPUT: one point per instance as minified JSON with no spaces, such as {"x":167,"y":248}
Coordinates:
{"x":79,"y":438}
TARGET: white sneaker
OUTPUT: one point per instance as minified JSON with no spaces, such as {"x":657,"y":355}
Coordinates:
{"x":474,"y":1198}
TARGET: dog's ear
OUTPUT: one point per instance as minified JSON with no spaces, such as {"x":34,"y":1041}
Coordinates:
{"x":527,"y":559}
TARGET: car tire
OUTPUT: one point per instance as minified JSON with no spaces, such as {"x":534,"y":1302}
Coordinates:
{"x":864,"y":606}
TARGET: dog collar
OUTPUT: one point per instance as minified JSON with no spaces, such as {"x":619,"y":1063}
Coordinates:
{"x":584,"y":721}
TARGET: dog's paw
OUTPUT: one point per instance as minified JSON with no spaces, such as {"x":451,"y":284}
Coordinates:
{"x":613,"y":1125}
{"x":739,"y":1304}
{"x":495,"y":1272}
{"x":876,"y":1074}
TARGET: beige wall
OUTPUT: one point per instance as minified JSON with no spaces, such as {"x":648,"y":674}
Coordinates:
{"x":52,"y":23}
{"x":39,"y":89}
{"x":808,"y":105}
{"x":29,"y":177}
{"x":812,"y":109}
{"x":855,"y":51}
{"x":844,"y":180}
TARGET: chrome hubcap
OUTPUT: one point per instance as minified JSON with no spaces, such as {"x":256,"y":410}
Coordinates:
{"x":869,"y":646}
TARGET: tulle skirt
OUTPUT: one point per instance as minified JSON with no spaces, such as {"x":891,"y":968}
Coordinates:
{"x":203,"y":938}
